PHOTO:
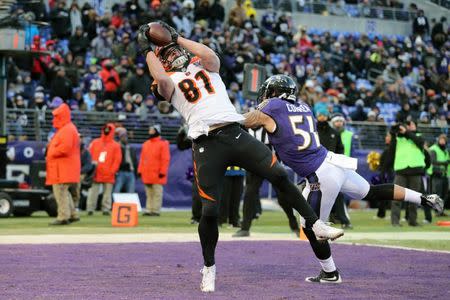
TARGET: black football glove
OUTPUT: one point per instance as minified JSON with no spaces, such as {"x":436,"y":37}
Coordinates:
{"x":143,"y":40}
{"x":173,"y":33}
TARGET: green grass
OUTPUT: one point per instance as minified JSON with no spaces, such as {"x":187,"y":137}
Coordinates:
{"x":178,"y":222}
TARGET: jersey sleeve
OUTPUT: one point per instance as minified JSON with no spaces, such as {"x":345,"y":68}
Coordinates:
{"x":270,"y":108}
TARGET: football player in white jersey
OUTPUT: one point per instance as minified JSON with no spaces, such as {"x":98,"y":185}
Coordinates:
{"x":195,"y":89}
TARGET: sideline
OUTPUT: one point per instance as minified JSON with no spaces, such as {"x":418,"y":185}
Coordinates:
{"x":349,"y":237}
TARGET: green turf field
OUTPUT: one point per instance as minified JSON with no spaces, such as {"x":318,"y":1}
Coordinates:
{"x":269,"y":222}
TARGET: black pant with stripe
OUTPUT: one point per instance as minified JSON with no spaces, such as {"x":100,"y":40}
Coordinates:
{"x":232,"y":146}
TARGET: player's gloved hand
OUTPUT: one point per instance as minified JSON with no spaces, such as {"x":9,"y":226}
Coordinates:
{"x":164,"y":107}
{"x":161,"y":175}
{"x":143,"y":40}
{"x":173,"y":33}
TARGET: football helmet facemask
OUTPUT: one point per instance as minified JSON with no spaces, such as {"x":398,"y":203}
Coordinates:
{"x":173,"y":57}
{"x":279,"y":86}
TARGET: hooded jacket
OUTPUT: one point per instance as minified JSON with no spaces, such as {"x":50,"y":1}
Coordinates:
{"x":63,"y":161}
{"x":155,"y":159}
{"x":110,"y":78}
{"x":107,"y":154}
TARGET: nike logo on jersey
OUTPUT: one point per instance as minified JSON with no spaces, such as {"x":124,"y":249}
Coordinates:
{"x":238,"y":135}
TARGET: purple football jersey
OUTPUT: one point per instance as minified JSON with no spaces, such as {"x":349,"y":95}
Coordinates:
{"x":295,"y":139}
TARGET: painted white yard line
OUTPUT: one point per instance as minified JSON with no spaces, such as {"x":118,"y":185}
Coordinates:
{"x":395,"y":247}
{"x":193,"y":237}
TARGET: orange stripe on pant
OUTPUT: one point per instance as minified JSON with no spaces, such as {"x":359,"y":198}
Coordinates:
{"x":200,"y":191}
{"x":274,"y":160}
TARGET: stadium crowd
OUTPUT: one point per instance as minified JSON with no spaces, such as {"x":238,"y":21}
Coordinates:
{"x":95,"y":65}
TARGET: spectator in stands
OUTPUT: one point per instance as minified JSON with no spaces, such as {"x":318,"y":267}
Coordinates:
{"x":63,"y":164}
{"x":126,"y":47}
{"x":61,"y":86}
{"x":421,"y":26}
{"x":359,"y":114}
{"x":153,"y":167}
{"x":216,"y":14}
{"x":139,"y":83}
{"x":75,"y":16}
{"x":60,"y":20}
{"x":102,"y":45}
{"x":110,"y":79}
{"x":237,"y":15}
{"x":407,"y":154}
{"x":78,"y":42}
{"x":125,"y":178}
{"x":439,"y":33}
{"x":106,"y":156}
{"x":439,"y":171}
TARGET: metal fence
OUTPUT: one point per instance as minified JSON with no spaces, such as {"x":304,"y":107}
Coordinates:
{"x":371,"y":135}
{"x":37,"y":125}
{"x":323,"y":7}
{"x":34,"y":125}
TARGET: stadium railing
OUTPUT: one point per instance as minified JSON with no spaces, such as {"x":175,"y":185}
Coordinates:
{"x":33,"y":125}
{"x":348,"y":10}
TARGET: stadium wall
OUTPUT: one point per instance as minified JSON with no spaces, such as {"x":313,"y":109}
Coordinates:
{"x":177,"y":192}
{"x":346,"y":24}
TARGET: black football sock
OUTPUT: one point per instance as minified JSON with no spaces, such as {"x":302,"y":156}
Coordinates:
{"x":209,"y":234}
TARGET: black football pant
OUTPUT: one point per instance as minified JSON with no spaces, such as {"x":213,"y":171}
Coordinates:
{"x":251,"y":198}
{"x":232,"y":146}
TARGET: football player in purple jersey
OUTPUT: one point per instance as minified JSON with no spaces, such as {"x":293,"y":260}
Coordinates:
{"x":292,"y":132}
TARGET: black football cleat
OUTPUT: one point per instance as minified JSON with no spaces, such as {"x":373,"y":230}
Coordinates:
{"x":326,"y":277}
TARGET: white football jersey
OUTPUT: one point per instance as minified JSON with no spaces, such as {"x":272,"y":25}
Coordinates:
{"x":202,"y":99}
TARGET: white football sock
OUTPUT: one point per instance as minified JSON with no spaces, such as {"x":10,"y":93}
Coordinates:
{"x":412,"y":196}
{"x":328,"y":264}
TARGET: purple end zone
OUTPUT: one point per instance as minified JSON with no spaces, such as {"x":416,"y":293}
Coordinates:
{"x":245,"y":270}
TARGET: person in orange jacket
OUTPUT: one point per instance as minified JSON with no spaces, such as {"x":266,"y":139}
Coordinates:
{"x":107,"y":156}
{"x":111,"y":80}
{"x":63,"y":164}
{"x":153,"y":167}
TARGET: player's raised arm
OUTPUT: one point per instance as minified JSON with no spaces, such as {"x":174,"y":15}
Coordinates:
{"x":257,"y":118}
{"x":208,"y":57}
{"x":165,"y":84}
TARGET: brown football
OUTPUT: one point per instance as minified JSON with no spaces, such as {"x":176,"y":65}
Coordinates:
{"x":159,"y":35}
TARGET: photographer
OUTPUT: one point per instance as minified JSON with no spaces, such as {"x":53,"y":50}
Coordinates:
{"x":439,"y":167}
{"x":408,"y":156}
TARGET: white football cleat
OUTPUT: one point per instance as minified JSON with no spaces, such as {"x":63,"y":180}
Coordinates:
{"x":325,"y":232}
{"x":209,"y":279}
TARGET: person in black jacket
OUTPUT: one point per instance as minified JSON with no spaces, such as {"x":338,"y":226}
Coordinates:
{"x":61,"y":86}
{"x":126,"y":176}
{"x":420,"y":24}
{"x":60,"y":21}
{"x":79,"y":43}
{"x":386,"y":169}
{"x":87,"y":173}
{"x":140,"y":82}
{"x":331,"y":140}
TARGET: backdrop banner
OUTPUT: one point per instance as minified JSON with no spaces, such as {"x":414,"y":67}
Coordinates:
{"x":177,"y":192}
